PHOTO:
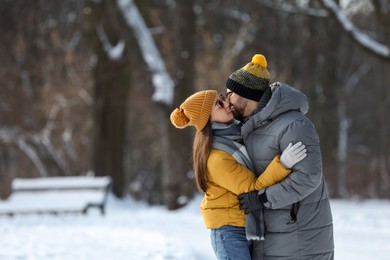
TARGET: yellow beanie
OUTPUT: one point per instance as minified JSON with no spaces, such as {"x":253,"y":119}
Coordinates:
{"x":195,"y":110}
{"x":251,"y":80}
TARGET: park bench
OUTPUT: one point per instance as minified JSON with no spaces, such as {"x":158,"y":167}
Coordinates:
{"x":76,"y":194}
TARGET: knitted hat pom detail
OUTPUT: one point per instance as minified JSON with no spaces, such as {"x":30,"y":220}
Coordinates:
{"x":259,"y":60}
{"x":252,"y":80}
{"x":179,"y":119}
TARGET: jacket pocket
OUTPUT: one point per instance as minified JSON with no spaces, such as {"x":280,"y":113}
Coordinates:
{"x":280,"y":220}
{"x":294,"y":212}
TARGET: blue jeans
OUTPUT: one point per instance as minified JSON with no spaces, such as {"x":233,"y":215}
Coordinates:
{"x":229,"y":242}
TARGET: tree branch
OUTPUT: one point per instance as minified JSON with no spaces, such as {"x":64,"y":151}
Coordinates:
{"x":114,"y":52}
{"x":294,"y":9}
{"x":162,"y":82}
{"x":379,"y":49}
{"x":383,"y":12}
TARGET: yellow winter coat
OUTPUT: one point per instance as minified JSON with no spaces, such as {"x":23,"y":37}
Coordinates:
{"x":227,"y":179}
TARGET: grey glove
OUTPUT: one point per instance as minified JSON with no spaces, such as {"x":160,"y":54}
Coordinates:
{"x":293,"y":154}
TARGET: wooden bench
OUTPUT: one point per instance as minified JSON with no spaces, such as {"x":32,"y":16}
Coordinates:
{"x":57,"y":195}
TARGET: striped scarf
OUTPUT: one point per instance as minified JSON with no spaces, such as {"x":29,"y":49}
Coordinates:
{"x":227,"y":138}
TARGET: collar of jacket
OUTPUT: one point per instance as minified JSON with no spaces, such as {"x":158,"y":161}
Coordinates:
{"x":284,"y":98}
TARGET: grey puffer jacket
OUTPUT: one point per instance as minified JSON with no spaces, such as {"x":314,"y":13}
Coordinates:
{"x":298,"y":218}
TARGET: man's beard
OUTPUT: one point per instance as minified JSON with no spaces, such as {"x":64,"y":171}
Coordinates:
{"x":238,"y":113}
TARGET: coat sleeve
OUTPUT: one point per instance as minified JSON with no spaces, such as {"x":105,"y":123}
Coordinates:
{"x":306,"y":175}
{"x":226,"y":172}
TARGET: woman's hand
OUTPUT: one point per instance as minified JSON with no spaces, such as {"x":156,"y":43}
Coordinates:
{"x":293,"y":154}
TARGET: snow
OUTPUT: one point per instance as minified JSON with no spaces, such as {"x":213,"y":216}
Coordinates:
{"x":113,"y":52}
{"x":134,"y":230}
{"x":69,"y":182}
{"x":56,"y":194}
{"x":162,"y":81}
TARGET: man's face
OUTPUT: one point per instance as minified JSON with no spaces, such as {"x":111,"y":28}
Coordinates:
{"x":238,"y":103}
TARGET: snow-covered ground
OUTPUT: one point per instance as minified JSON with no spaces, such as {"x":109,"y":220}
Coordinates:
{"x":133,"y":230}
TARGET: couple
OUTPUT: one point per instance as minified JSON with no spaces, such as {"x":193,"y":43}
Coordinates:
{"x":287,"y":210}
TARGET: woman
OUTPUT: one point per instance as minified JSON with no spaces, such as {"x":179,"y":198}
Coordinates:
{"x":222,"y":169}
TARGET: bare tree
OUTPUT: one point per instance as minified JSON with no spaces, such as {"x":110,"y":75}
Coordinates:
{"x":178,"y":173}
{"x":104,"y":30}
{"x":379,"y":49}
{"x":41,"y":98}
{"x":175,"y":172}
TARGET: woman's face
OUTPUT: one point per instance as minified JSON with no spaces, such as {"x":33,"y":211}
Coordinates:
{"x":222,"y":110}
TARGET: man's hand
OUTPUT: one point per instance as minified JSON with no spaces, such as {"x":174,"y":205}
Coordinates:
{"x":250,"y":201}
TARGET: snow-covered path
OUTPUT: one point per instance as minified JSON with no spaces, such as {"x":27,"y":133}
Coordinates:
{"x":133,"y":230}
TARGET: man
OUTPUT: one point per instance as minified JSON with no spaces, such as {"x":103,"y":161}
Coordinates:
{"x":295,"y":212}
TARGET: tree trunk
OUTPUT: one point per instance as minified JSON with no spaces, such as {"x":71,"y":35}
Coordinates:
{"x":330,"y":84}
{"x":178,"y":143}
{"x":112,"y":82}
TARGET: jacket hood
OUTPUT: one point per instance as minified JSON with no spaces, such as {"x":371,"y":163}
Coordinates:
{"x":284,"y":98}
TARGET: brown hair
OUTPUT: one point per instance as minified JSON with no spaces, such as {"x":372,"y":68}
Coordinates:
{"x":201,"y":149}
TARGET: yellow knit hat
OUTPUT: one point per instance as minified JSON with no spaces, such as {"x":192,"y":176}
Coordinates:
{"x":195,"y":110}
{"x":252,"y":80}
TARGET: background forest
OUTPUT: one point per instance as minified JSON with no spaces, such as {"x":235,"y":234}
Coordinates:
{"x":81,"y":85}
